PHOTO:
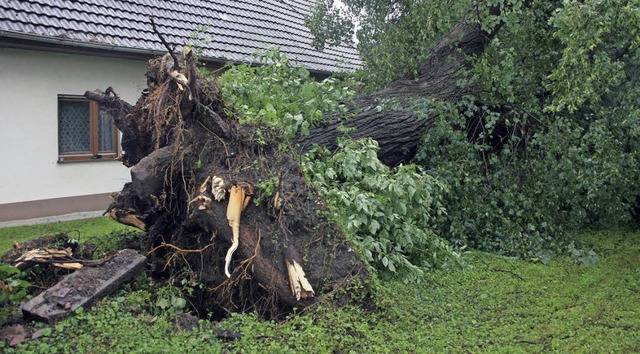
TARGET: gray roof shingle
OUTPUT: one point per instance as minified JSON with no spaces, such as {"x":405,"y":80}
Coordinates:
{"x":224,"y":29}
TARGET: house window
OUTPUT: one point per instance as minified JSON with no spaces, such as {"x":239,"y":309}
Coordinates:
{"x":85,"y":130}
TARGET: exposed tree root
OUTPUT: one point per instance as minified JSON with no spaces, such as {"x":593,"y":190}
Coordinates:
{"x":193,"y":173}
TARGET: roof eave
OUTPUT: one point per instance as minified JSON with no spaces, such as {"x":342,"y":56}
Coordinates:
{"x":20,"y":40}
{"x":31,"y":40}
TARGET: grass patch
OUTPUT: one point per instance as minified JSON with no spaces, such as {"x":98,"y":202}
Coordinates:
{"x":114,"y":327}
{"x":501,"y":305}
{"x":83,"y":230}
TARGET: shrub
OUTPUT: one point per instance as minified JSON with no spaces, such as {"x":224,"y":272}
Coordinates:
{"x":13,"y":289}
{"x":392,"y":214}
{"x":519,"y":186}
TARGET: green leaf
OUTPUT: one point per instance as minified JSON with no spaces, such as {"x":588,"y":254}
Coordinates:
{"x":374,"y":226}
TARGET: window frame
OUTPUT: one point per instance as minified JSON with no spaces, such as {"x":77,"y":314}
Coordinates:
{"x":94,"y":154}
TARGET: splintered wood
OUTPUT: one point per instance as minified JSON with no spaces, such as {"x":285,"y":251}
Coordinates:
{"x":218,"y":191}
{"x":41,"y":255}
{"x":238,"y":200}
{"x":128,"y":217}
{"x":217,"y":188}
{"x":300,"y":286}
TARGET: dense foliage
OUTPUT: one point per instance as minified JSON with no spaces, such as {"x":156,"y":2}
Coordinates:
{"x":546,"y":143}
{"x":280,"y":96}
{"x":391,"y":216}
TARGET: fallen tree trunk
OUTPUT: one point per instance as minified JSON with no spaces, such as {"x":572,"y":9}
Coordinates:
{"x":380,"y":116}
{"x":203,"y":186}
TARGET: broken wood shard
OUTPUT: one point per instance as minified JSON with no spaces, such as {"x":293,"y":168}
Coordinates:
{"x":277,"y":201}
{"x":204,"y":186}
{"x":217,"y":188}
{"x":237,"y":203}
{"x":180,"y":79}
{"x":41,"y":255}
{"x":128,"y":218}
{"x":203,"y":200}
{"x":84,"y":287}
{"x":74,"y":265}
{"x":25,"y":255}
{"x":300,"y":286}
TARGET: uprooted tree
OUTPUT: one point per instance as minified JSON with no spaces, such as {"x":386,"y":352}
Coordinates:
{"x":199,"y":189}
{"x":236,"y":211}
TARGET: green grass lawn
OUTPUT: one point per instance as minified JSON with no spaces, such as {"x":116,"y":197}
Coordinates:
{"x":82,"y":230}
{"x":500,"y":305}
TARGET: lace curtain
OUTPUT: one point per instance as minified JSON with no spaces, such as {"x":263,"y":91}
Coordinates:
{"x":74,"y":126}
{"x":105,"y":131}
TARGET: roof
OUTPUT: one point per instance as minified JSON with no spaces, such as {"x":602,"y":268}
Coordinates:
{"x":226,"y":30}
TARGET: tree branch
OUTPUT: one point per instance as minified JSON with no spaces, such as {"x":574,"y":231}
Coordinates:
{"x":176,"y":64}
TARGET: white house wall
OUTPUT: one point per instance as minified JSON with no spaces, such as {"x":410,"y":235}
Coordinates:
{"x":30,"y":82}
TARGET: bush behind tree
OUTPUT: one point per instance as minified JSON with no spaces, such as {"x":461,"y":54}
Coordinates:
{"x":548,"y":143}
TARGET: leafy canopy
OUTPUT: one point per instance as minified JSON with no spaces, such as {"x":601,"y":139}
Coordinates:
{"x":546,"y":143}
{"x":393,"y":36}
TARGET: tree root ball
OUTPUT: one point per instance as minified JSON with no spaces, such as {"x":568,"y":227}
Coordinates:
{"x":178,"y":140}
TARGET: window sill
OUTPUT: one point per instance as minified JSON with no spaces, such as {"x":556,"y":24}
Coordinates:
{"x":63,"y":159}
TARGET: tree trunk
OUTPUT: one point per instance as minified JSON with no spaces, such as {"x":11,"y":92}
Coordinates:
{"x":379,"y":116}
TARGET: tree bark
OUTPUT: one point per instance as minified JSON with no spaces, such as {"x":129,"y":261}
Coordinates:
{"x":398,"y":131}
